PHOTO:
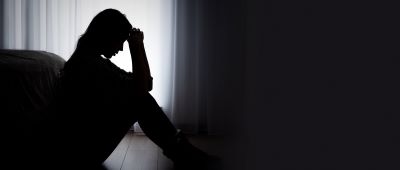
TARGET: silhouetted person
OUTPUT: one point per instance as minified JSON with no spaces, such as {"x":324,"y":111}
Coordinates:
{"x":99,"y":102}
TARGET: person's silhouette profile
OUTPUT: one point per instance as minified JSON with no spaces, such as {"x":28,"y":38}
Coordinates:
{"x":98,"y":102}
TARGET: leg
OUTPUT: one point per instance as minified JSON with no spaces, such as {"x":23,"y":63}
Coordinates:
{"x":154,"y":123}
{"x":91,"y":138}
{"x":160,"y":130}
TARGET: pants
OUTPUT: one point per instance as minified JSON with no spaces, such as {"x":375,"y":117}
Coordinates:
{"x":81,"y":139}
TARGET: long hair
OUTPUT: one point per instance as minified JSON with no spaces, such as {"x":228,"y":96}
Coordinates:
{"x":105,"y":26}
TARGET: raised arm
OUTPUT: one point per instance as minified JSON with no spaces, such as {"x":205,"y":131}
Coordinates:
{"x":140,"y":65}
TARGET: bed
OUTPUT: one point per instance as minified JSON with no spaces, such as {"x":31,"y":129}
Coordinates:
{"x":28,"y":81}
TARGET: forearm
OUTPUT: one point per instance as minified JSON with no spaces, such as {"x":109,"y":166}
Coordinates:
{"x":140,"y":66}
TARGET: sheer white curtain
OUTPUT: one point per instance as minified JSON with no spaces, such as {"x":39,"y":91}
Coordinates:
{"x":173,"y":42}
{"x":40,"y":25}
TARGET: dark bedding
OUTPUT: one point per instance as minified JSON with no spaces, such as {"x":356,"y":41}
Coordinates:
{"x":27,"y":79}
{"x":27,"y":86}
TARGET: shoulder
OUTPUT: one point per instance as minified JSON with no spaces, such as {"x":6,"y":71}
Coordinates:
{"x":82,"y":61}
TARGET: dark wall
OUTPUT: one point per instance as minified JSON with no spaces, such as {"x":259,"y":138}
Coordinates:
{"x":321,"y":87}
{"x":304,"y":84}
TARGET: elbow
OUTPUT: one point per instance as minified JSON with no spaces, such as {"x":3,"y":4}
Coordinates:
{"x":144,"y":86}
{"x":150,"y":84}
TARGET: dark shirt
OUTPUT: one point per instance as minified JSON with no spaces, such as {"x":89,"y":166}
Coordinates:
{"x":93,"y":83}
{"x":93,"y":93}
